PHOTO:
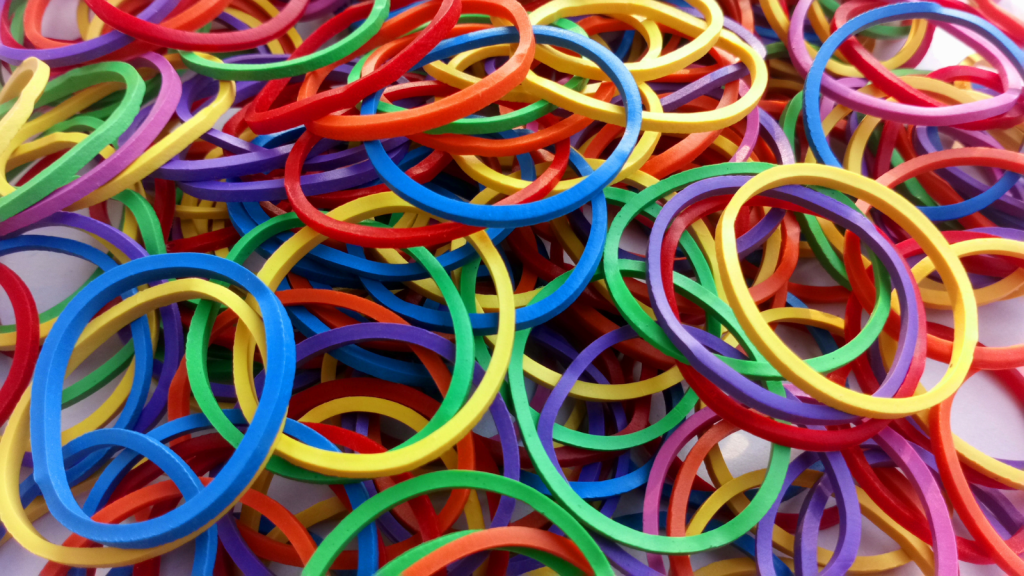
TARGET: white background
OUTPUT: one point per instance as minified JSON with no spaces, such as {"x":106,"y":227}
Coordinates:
{"x":983,"y":413}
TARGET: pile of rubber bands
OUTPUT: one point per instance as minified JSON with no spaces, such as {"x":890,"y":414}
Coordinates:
{"x":488,"y":282}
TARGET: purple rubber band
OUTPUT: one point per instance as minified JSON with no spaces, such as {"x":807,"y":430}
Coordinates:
{"x":722,"y":375}
{"x":806,"y":553}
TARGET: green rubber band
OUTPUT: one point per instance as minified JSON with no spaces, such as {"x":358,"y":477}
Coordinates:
{"x":336,"y":52}
{"x":65,"y":168}
{"x":149,"y":227}
{"x":647,"y":327}
{"x":106,"y":106}
{"x":202,"y":324}
{"x":98,"y":378}
{"x":742,"y":523}
{"x":371,"y":509}
{"x":776,"y":50}
{"x":696,"y":256}
{"x":81,"y":123}
{"x":17,"y":13}
{"x":810,"y":228}
{"x":402,"y":563}
{"x":145,"y":216}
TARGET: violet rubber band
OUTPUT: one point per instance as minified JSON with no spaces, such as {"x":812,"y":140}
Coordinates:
{"x":931,"y":497}
{"x":200,"y":88}
{"x":559,"y":346}
{"x":319,"y":8}
{"x":239,"y":552}
{"x":670,"y":447}
{"x":750,"y":132}
{"x":675,"y":206}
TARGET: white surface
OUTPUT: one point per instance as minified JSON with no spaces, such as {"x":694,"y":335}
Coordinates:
{"x":983,"y":413}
